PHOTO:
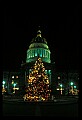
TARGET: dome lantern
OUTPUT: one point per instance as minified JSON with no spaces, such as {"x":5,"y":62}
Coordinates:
{"x":39,"y":33}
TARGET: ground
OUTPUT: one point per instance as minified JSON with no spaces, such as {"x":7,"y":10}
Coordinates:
{"x":58,"y":108}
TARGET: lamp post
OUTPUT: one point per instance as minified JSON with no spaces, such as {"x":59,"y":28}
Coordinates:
{"x":3,"y":84}
{"x":3,"y":87}
{"x":72,"y":87}
{"x":14,"y":87}
{"x":61,"y":88}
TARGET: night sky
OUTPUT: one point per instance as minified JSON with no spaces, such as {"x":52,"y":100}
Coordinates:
{"x":59,"y":25}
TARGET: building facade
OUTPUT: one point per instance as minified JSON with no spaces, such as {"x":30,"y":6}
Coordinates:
{"x":38,"y":48}
{"x":60,"y":82}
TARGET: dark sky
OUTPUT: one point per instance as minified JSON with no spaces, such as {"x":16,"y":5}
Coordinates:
{"x":59,"y":25}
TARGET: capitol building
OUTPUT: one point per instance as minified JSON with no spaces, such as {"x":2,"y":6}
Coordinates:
{"x":15,"y":81}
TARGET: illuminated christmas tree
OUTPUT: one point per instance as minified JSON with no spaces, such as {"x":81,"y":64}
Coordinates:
{"x":38,"y":88}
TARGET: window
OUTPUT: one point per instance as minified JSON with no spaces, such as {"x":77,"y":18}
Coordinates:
{"x":58,"y":77}
{"x":46,"y":53}
{"x":49,"y":55}
{"x":12,"y":76}
{"x":31,"y":54}
{"x":43,"y":53}
{"x":46,"y":71}
{"x":16,"y":76}
{"x":40,"y":52}
{"x":49,"y":71}
{"x":35,"y":52}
